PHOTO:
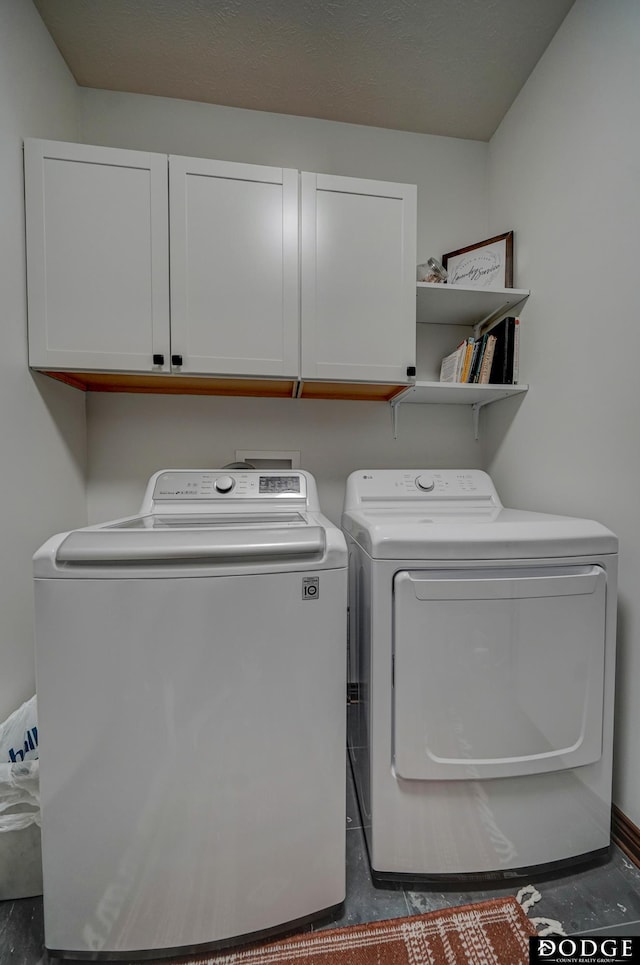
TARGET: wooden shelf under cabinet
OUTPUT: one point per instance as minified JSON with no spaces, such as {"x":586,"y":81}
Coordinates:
{"x":176,"y":384}
{"x":252,"y":388}
{"x":356,"y":391}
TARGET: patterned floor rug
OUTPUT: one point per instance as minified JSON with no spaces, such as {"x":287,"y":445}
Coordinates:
{"x":492,"y":932}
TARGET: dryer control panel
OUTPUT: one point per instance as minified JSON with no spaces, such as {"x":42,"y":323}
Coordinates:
{"x":380,"y":485}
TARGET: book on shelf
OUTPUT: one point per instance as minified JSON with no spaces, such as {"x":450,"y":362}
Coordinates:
{"x":463,"y":364}
{"x":486,"y":366}
{"x":466,"y":362}
{"x":491,"y":357}
{"x":474,"y":360}
{"x":479,"y":350}
{"x":451,"y":367}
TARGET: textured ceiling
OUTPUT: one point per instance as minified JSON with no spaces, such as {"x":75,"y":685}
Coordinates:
{"x":452,"y":67}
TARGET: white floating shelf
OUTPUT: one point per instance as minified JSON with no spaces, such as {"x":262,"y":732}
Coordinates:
{"x":455,"y":393}
{"x":456,"y":305}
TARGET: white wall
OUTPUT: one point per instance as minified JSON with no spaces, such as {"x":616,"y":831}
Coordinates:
{"x":42,"y":423}
{"x":132,"y":436}
{"x":565,"y":174}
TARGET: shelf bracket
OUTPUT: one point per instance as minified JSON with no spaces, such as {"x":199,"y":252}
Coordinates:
{"x":489,"y":321}
{"x":394,"y":418}
{"x":475,"y":408}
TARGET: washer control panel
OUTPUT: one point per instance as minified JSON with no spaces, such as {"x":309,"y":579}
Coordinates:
{"x":426,"y":483}
{"x":224,"y":484}
{"x":194,"y":485}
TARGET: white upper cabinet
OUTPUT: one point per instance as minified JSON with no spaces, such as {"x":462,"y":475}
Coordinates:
{"x":234,"y":268}
{"x":97,"y":252}
{"x":141,"y":265}
{"x":358,"y":247}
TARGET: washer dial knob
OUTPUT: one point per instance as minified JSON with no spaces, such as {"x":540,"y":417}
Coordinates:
{"x":425,"y":483}
{"x":224,"y":484}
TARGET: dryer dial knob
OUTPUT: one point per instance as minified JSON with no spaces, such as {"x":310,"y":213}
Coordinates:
{"x":425,"y":483}
{"x":224,"y":484}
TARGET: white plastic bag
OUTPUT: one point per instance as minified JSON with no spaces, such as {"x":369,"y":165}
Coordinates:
{"x":19,"y":769}
{"x":20,"y":844}
{"x":19,"y":734}
{"x":19,"y":795}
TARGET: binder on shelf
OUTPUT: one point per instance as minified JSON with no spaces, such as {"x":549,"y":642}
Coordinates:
{"x":503,"y":368}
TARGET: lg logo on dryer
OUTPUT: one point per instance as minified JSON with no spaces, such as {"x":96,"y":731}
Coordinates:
{"x":310,"y":587}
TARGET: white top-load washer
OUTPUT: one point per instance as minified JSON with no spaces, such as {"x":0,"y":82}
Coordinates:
{"x":482,"y":648}
{"x":191,"y":679}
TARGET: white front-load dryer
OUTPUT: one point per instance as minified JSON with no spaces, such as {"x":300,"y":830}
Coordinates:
{"x":482,"y":650}
{"x":191,"y":676}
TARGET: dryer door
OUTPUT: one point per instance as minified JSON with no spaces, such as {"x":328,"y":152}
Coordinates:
{"x":497,"y":671}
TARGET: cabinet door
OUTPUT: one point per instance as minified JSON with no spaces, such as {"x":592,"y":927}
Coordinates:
{"x":97,"y":257}
{"x":358,"y":279}
{"x":234,"y":268}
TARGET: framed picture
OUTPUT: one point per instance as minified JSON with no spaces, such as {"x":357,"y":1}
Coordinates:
{"x":489,"y":264}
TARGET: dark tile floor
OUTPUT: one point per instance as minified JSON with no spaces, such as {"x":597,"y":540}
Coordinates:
{"x":603,"y":899}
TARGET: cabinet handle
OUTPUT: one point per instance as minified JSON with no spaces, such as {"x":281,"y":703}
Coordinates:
{"x":411,"y":371}
{"x":176,"y":360}
{"x":158,"y":359}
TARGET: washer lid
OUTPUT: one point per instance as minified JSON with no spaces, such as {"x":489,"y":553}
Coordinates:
{"x":87,"y":546}
{"x":190,"y":521}
{"x":204,"y":523}
{"x":418,"y":533}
